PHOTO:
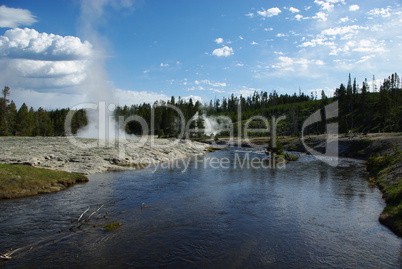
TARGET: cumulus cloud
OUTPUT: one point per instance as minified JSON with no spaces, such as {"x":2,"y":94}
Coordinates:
{"x":210,"y":83}
{"x":328,"y":5}
{"x":29,"y":44}
{"x":225,"y":51}
{"x":269,"y":12}
{"x":294,"y":10}
{"x":281,"y":35}
{"x":380,"y":12}
{"x":14,"y":17}
{"x":201,"y":88}
{"x":246,"y":91}
{"x":320,"y":41}
{"x":354,"y":8}
{"x":195,"y":98}
{"x":297,"y":66}
{"x":164,"y":65}
{"x":43,"y":62}
{"x":342,"y":30}
{"x":47,"y":100}
{"x":298,"y":17}
{"x":127,"y":97}
{"x":368,"y":45}
{"x":319,"y":62}
{"x":322,"y":16}
{"x":219,"y":40}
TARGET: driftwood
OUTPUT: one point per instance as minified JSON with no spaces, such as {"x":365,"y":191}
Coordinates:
{"x":81,"y":220}
{"x":7,"y":255}
{"x":78,"y":220}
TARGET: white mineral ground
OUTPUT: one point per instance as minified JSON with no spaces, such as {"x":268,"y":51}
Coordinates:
{"x":58,"y":153}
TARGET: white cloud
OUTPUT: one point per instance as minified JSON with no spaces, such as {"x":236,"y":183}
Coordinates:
{"x":164,"y":65}
{"x":319,"y":62}
{"x":297,"y":66}
{"x":219,"y":40}
{"x":30,"y":44}
{"x":210,"y":83}
{"x":298,"y":17}
{"x":269,"y":12}
{"x":284,"y":63}
{"x":369,"y":45}
{"x":342,"y":30}
{"x":354,"y":8}
{"x":45,"y":76}
{"x":317,"y":42}
{"x":365,"y":59}
{"x":294,"y":10}
{"x":328,"y":5}
{"x":201,"y":88}
{"x":380,"y":12}
{"x":195,"y":98}
{"x":254,"y":43}
{"x":344,"y":19}
{"x":268,"y":29}
{"x":225,"y":51}
{"x":246,"y":91}
{"x":251,"y":15}
{"x":43,"y":62}
{"x":281,"y":35}
{"x":321,"y":16}
{"x":126,"y":97}
{"x":14,"y":17}
{"x":47,"y":100}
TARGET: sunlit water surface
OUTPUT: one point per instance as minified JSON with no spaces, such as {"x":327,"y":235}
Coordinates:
{"x":308,"y":215}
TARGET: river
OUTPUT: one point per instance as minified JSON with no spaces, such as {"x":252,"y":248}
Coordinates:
{"x":304,"y":215}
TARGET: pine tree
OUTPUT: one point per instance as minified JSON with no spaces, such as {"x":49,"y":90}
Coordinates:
{"x":25,"y":123}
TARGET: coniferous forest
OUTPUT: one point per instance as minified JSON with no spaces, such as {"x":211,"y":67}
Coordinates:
{"x":361,"y":110}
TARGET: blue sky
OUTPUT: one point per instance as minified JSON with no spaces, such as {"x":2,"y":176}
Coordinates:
{"x":153,"y":49}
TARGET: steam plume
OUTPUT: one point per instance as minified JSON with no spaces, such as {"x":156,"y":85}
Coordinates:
{"x":97,"y":89}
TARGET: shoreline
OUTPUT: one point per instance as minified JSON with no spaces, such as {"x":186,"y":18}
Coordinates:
{"x":35,"y":162}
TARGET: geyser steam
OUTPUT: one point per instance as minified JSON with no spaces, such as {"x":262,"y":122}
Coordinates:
{"x":98,"y":90}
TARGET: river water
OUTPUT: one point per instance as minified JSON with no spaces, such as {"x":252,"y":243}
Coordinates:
{"x":304,"y":215}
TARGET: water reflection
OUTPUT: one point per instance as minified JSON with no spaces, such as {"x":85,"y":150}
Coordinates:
{"x":307,"y":215}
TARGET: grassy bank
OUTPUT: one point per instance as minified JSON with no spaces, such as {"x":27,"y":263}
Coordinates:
{"x":24,"y":180}
{"x":386,"y":171}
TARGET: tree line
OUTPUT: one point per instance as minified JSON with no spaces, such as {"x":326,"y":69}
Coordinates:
{"x":360,"y":110}
{"x":29,"y":122}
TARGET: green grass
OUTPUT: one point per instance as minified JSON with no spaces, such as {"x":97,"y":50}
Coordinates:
{"x":18,"y":180}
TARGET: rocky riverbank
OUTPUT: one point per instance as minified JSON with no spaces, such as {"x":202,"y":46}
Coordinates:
{"x":386,"y":172}
{"x":357,"y":146}
{"x":90,"y":156}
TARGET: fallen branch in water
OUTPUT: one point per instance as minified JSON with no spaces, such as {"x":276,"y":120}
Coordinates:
{"x":81,"y":220}
{"x":93,"y":213}
{"x":53,"y":239}
{"x":7,"y":255}
{"x":78,"y":220}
